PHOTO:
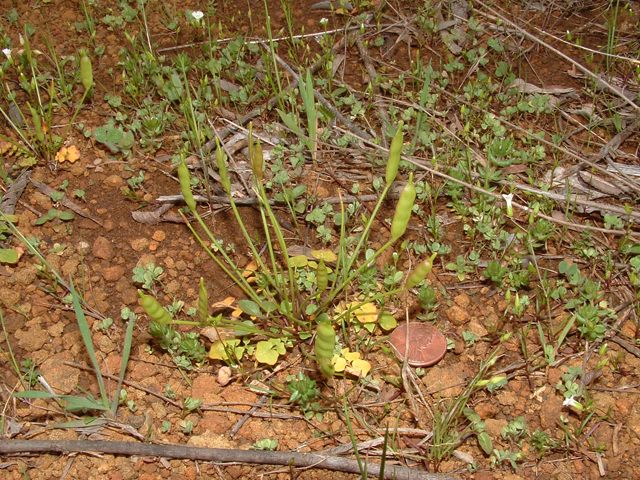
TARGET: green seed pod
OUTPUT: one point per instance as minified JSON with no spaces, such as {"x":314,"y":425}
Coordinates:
{"x":420,"y":273}
{"x":153,"y":308}
{"x":403,"y":210}
{"x":203,"y":301}
{"x":221,"y":160}
{"x":86,"y":72}
{"x":325,"y":341}
{"x":185,"y":185}
{"x":257,"y":161}
{"x":26,"y":44}
{"x":326,"y":368}
{"x":395,"y":150}
{"x":322,"y":277}
{"x":37,"y":124}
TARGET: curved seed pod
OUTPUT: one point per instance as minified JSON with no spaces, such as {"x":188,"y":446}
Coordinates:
{"x":403,"y":209}
{"x":203,"y":301}
{"x":420,"y":273}
{"x":395,"y":150}
{"x":185,"y":185}
{"x":153,"y":308}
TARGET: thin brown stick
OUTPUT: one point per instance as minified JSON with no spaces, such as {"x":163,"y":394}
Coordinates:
{"x":217,"y":455}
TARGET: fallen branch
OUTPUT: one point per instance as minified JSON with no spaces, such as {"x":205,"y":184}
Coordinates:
{"x":218,"y":455}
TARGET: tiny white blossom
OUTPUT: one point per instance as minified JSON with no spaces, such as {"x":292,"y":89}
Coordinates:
{"x":508,"y":199}
{"x":572,"y":402}
{"x":197,"y":15}
{"x":7,"y":52}
{"x":324,"y":21}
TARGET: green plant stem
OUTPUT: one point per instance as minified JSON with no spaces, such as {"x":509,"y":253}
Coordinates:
{"x":254,"y":250}
{"x":126,"y":350}
{"x":361,"y":465}
{"x":281,"y":242}
{"x":236,"y":275}
{"x":88,"y":342}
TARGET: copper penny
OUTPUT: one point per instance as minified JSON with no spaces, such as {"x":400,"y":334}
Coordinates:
{"x":427,"y":345}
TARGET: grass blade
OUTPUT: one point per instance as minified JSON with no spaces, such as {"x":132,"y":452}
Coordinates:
{"x":88,"y":342}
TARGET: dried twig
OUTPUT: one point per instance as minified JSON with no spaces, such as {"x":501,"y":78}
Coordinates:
{"x":218,"y":455}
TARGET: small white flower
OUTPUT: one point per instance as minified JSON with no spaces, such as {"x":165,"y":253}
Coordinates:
{"x":7,"y":52}
{"x":197,"y":15}
{"x":572,"y":402}
{"x":509,"y":199}
{"x":324,"y":21}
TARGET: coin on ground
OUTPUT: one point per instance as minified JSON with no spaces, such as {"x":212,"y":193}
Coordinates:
{"x":426,"y":346}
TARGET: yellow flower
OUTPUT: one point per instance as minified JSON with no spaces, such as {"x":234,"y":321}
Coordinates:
{"x":70,"y":154}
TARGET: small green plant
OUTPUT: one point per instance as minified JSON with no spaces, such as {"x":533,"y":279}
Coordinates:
{"x":469,"y":338}
{"x":186,"y":349}
{"x":501,"y":456}
{"x":147,"y":276}
{"x":266,"y":444}
{"x":54,"y":214}
{"x":29,"y":371}
{"x":115,"y":138}
{"x":166,"y":426}
{"x":304,"y":392}
{"x":125,"y":401}
{"x":187,"y":427}
{"x":463,"y":266}
{"x":516,"y":429}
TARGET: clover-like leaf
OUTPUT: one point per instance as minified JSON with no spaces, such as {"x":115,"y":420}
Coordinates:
{"x":339,"y":363}
{"x":387,"y":321}
{"x":8,"y":255}
{"x":367,"y":313}
{"x":298,"y":261}
{"x":269,"y":351}
{"x":220,"y":348}
{"x":359,"y":368}
{"x":326,"y":255}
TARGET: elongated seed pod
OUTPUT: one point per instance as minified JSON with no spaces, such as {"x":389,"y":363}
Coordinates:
{"x":37,"y":124}
{"x":403,"y":209}
{"x":221,"y":160}
{"x":185,"y":185}
{"x":156,"y":312}
{"x":395,"y":150}
{"x":328,"y":370}
{"x":420,"y":273}
{"x":86,"y":72}
{"x":257,"y":162}
{"x":203,"y":301}
{"x":322,"y":276}
{"x":325,"y":341}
